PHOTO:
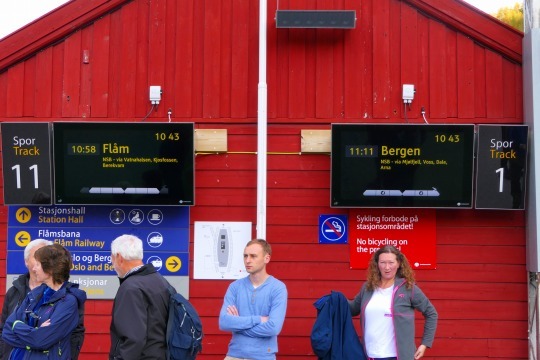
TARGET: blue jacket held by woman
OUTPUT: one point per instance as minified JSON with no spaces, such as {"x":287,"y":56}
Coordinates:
{"x":333,"y":336}
{"x":45,"y":342}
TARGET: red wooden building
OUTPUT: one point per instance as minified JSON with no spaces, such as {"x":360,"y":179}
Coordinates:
{"x":93,"y":60}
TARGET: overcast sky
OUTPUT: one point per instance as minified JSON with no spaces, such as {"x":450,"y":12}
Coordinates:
{"x":16,"y":13}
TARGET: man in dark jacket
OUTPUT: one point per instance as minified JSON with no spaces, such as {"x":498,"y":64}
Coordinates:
{"x":141,"y":305}
{"x":22,"y":286}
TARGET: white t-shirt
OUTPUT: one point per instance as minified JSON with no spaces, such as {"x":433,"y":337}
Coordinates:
{"x":379,"y":337}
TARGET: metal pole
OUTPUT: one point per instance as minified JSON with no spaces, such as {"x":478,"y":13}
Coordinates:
{"x":262,"y":120}
{"x":531,"y":105}
{"x":534,"y":304}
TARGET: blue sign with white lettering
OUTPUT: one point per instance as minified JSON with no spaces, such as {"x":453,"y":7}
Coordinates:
{"x":88,"y":231}
{"x":99,"y":263}
{"x":99,"y":239}
{"x":101,"y":216}
{"x":333,"y":229}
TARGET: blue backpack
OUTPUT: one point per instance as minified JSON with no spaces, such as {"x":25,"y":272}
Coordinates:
{"x":184,"y":328}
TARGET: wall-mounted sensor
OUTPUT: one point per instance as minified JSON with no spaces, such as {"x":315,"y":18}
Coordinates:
{"x":155,"y":94}
{"x":408,"y":93}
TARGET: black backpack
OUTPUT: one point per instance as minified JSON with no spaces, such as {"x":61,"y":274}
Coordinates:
{"x":184,"y":328}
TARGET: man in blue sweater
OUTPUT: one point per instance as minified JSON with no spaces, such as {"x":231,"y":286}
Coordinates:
{"x":254,"y":307}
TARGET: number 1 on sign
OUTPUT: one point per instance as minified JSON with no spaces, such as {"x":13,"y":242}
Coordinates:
{"x":33,"y":168}
{"x":501,"y":178}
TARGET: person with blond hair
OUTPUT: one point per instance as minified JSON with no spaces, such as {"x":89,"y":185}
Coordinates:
{"x":254,"y":307}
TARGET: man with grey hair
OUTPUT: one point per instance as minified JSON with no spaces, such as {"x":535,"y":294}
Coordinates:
{"x":141,"y":306}
{"x":22,"y":286}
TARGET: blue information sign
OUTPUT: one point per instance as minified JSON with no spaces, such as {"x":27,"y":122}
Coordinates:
{"x":87,"y":232}
{"x":333,"y":229}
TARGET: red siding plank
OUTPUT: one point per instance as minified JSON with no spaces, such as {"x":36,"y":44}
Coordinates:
{"x":273,"y":88}
{"x":494,"y":236}
{"x":423,"y":91}
{"x":240,"y":58}
{"x":509,"y":89}
{"x":15,"y":91}
{"x":43,"y":92}
{"x":381,"y":59}
{"x":115,"y":63}
{"x":29,"y":86}
{"x":198,"y":58}
{"x":511,"y":255}
{"x":409,"y":59}
{"x":495,"y":219}
{"x":281,"y":88}
{"x":396,"y":99}
{"x":100,"y":68}
{"x":478,"y":329}
{"x":324,"y":45}
{"x":212,"y":59}
{"x":451,"y":74}
{"x":86,"y":72}
{"x":338,"y":81}
{"x":169,"y":85}
{"x":465,"y":77}
{"x":513,"y":349}
{"x":437,"y":70}
{"x":127,"y":71}
{"x":354,"y":50}
{"x":252,"y":66}
{"x":494,"y":86}
{"x":57,"y":81}
{"x":297,"y":74}
{"x":143,"y":53}
{"x":519,"y":93}
{"x":3,"y":94}
{"x":184,"y":59}
{"x":156,"y":46}
{"x":310,"y":68}
{"x":479,"y":82}
{"x":225,"y":57}
{"x":72,"y":76}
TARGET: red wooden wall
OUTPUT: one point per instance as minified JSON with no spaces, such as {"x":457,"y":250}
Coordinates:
{"x":204,"y":54}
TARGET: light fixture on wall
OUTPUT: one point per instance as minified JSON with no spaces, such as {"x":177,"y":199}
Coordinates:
{"x":331,"y":19}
